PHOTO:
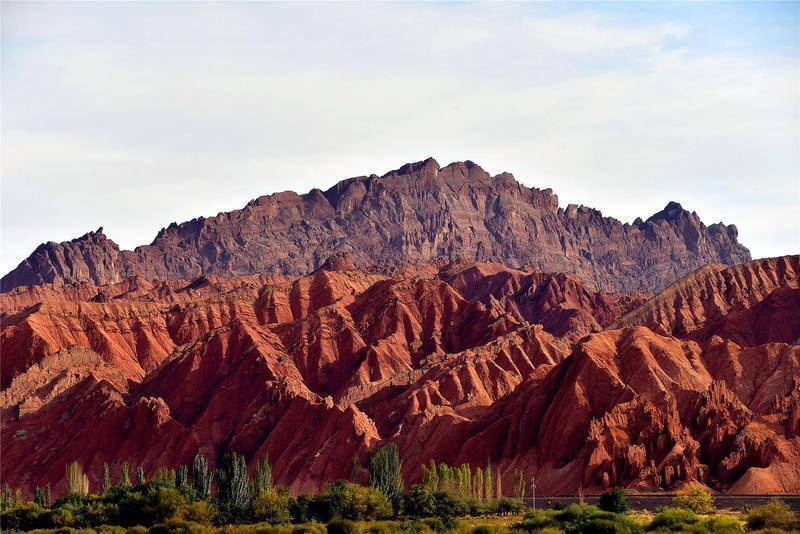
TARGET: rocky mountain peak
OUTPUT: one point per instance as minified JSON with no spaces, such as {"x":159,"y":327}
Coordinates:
{"x":418,"y":212}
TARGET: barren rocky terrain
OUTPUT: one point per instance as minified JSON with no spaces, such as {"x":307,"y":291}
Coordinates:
{"x":417,"y":213}
{"x":460,"y":361}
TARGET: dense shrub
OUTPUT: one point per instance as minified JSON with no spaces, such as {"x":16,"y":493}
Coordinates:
{"x":308,"y":528}
{"x":774,"y":514}
{"x":435,"y":524}
{"x":377,"y":528}
{"x":449,"y":506}
{"x":419,"y":502}
{"x":600,"y":525}
{"x":162,"y":503}
{"x":535,"y":520}
{"x":723,"y":524}
{"x":197,"y":512}
{"x":83,"y":511}
{"x":575,"y":516}
{"x":25,"y":516}
{"x":696,"y":498}
{"x":674,"y":519}
{"x":179,"y":526}
{"x":614,"y":501}
{"x":272,"y":507}
{"x":346,"y":500}
{"x":300,"y":508}
{"x":265,"y":528}
{"x":342,"y":526}
{"x":506,"y":506}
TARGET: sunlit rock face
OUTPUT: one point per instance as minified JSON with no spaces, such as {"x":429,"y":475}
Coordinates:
{"x":417,"y":213}
{"x":456,"y":361}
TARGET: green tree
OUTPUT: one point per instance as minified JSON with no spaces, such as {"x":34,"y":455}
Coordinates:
{"x":271,"y":507}
{"x":696,"y":498}
{"x":126,"y":476}
{"x":477,"y":486}
{"x":41,"y":496}
{"x":163,"y":502}
{"x":419,"y":502}
{"x":464,"y":481}
{"x":166,"y":476}
{"x":430,"y":476}
{"x":262,"y":478}
{"x":6,"y":498}
{"x":385,"y":472}
{"x":351,"y":501}
{"x":141,"y":480}
{"x":201,"y":476}
{"x":182,"y":476}
{"x":615,"y":501}
{"x":106,"y":477}
{"x":519,"y":484}
{"x":445,"y":474}
{"x":233,"y":485}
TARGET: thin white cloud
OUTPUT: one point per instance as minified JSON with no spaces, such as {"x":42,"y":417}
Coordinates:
{"x":132,"y":116}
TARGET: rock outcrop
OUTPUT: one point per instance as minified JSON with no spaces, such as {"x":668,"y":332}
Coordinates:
{"x":414,"y":214}
{"x":453,"y":361}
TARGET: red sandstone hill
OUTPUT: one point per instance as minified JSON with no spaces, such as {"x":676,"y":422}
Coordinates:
{"x":417,"y":213}
{"x":460,"y":362}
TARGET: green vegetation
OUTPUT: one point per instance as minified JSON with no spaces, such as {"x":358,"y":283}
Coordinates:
{"x":201,"y":479}
{"x":384,"y":472}
{"x":696,"y":498}
{"x":773,"y":515}
{"x":449,"y":499}
{"x":614,"y":501}
{"x":674,"y":520}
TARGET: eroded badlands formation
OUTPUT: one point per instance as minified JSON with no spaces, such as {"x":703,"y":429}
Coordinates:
{"x":457,"y":361}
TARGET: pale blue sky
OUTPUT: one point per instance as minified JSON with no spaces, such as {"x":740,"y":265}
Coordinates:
{"x":134,"y":115}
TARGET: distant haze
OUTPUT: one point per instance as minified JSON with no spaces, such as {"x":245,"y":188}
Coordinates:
{"x":131,"y":116}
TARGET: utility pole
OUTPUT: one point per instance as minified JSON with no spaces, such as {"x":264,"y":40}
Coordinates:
{"x":533,"y":489}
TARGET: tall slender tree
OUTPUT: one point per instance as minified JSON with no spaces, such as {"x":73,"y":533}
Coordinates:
{"x":385,"y":474}
{"x":355,"y":468}
{"x":478,"y":484}
{"x":182,"y":476}
{"x":201,"y":476}
{"x":519,"y":484}
{"x":430,"y":476}
{"x":77,"y":480}
{"x":445,"y":474}
{"x":41,"y":496}
{"x":233,"y":483}
{"x":126,"y":475}
{"x":106,"y":477}
{"x":262,"y":478}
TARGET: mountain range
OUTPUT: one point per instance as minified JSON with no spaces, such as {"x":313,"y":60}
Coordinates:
{"x":419,"y":212}
{"x":464,"y":317}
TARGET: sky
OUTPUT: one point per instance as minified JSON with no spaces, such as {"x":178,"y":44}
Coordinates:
{"x":131,"y":116}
